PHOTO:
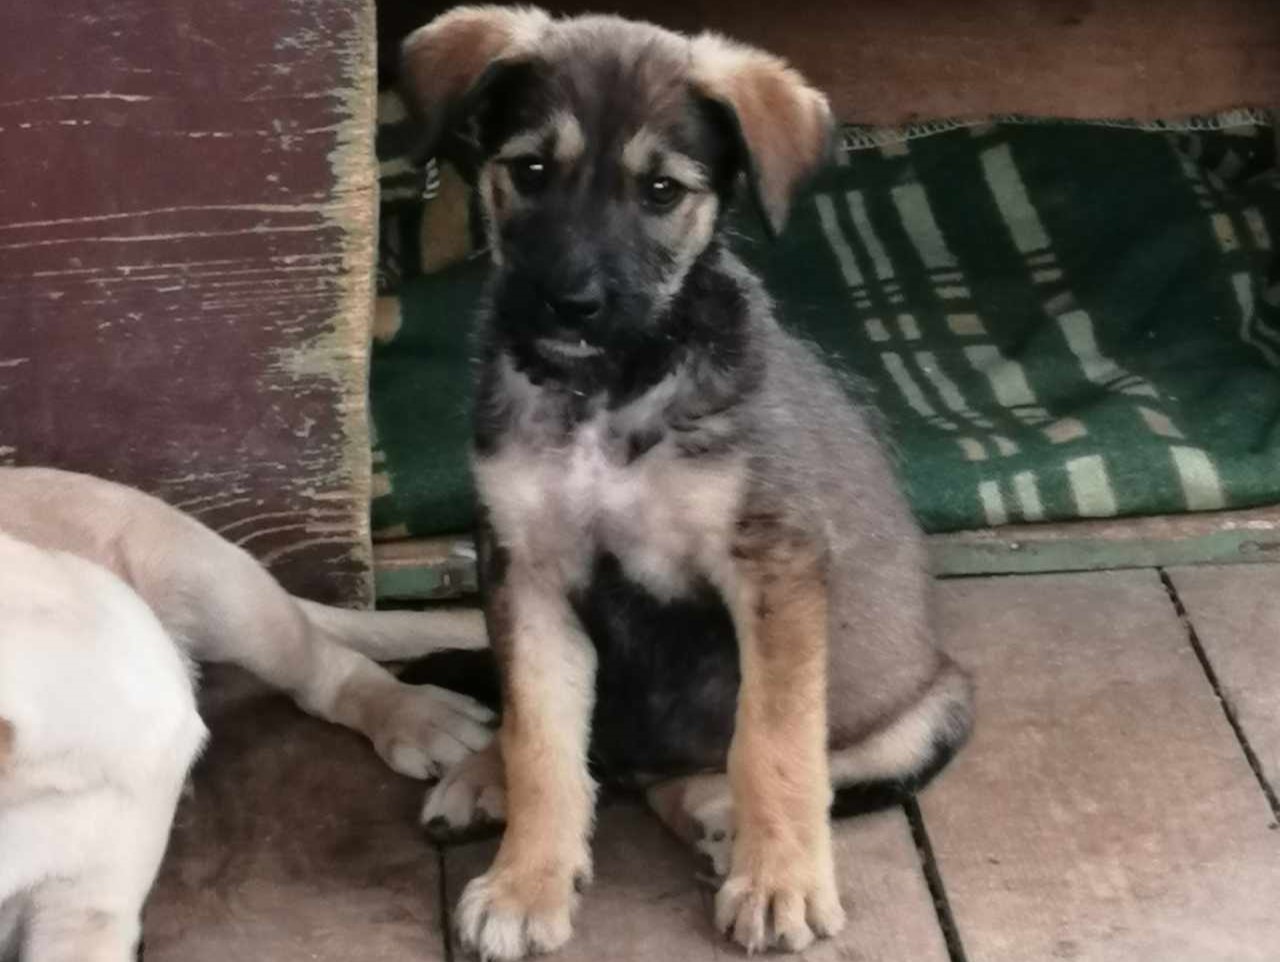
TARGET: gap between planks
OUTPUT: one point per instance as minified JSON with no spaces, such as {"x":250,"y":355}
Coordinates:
{"x":1211,"y":675}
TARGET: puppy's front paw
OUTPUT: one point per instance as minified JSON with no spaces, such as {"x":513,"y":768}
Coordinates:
{"x":428,"y":729}
{"x":470,"y":800}
{"x":507,"y":914}
{"x":779,"y":904}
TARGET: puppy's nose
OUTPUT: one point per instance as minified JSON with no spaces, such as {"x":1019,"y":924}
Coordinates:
{"x":577,"y":305}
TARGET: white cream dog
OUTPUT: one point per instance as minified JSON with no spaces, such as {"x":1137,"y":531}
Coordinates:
{"x":106,"y":596}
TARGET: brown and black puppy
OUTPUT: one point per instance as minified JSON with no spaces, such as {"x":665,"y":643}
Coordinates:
{"x":698,"y":565}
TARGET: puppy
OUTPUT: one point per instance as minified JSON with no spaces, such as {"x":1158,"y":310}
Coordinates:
{"x":105,"y":595}
{"x":698,"y":567}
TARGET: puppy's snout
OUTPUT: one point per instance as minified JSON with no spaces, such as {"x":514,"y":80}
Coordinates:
{"x":576,"y":304}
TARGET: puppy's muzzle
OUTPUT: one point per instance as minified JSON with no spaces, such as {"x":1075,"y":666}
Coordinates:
{"x":576,"y":307}
{"x":573,"y":312}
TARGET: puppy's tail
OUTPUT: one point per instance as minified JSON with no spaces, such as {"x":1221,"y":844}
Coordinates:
{"x":895,"y":761}
{"x":398,"y":635}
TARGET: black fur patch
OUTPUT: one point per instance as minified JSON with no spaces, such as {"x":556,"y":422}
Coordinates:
{"x":667,"y":681}
{"x":471,"y":672}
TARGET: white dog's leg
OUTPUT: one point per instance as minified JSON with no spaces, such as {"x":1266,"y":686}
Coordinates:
{"x":236,"y":612}
{"x":222,"y":606}
{"x":100,"y":729}
{"x":65,"y":925}
{"x":95,"y":915}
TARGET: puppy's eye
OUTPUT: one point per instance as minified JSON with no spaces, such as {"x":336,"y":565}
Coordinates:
{"x":661,"y":193}
{"x":529,"y":174}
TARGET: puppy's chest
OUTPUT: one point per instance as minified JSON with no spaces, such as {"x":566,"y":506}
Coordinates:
{"x":664,"y":516}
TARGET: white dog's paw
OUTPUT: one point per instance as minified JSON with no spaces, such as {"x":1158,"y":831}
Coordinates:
{"x":506,"y":915}
{"x":428,"y":730}
{"x":471,"y":798}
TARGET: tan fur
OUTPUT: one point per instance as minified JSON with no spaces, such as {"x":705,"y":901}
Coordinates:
{"x":445,"y":58}
{"x":494,"y":187}
{"x":569,"y":143}
{"x":646,"y":153}
{"x":498,"y":195}
{"x":686,"y":234}
{"x":526,"y":899}
{"x":782,"y":866}
{"x":785,"y":122}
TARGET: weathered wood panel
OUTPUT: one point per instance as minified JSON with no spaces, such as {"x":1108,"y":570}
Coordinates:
{"x":1251,"y":536}
{"x":429,"y":569}
{"x":1236,"y":614}
{"x":646,"y":905}
{"x":187,"y":199}
{"x":1104,"y":811}
{"x":906,"y":60}
{"x":297,"y":846}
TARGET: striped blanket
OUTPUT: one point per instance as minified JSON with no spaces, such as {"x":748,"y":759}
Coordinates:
{"x":1056,"y":320}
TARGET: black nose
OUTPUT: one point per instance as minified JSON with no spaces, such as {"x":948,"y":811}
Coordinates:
{"x":577,"y":305}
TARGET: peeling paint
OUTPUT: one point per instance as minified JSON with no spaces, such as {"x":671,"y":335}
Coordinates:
{"x":341,"y":354}
{"x":279,"y":252}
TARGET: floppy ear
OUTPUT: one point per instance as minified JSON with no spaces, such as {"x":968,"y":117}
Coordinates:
{"x":783,"y":124}
{"x":443,"y":64}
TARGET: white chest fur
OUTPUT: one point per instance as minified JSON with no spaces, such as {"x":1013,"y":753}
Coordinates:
{"x":666,"y":517}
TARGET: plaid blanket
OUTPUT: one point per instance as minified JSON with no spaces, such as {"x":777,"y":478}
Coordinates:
{"x":1056,"y":320}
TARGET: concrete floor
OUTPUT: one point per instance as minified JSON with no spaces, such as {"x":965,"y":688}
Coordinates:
{"x":1117,"y":803}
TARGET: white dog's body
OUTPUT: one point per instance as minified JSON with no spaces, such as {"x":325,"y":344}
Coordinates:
{"x":100,"y":730}
{"x":106,"y":595}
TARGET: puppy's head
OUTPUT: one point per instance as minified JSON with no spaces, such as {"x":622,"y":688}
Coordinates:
{"x":604,"y":153}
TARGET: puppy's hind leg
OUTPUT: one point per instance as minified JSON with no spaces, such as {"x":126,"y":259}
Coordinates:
{"x":894,"y":761}
{"x":698,"y":809}
{"x":471,"y":799}
{"x":878,"y":771}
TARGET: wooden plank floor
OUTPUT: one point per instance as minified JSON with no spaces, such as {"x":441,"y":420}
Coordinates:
{"x":645,"y":904}
{"x":297,"y":844}
{"x":1111,"y":807}
{"x":1105,"y":810}
{"x":1236,"y":616}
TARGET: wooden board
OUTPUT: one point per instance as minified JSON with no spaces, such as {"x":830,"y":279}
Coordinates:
{"x":1105,"y":811}
{"x":429,"y":569}
{"x":297,"y":845}
{"x":425,"y":569}
{"x":187,"y":204}
{"x":1218,"y":537}
{"x":897,"y":61}
{"x":646,"y":906}
{"x":1236,"y":614}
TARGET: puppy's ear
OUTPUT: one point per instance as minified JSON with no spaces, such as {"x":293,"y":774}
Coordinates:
{"x":445,"y":63}
{"x":784,"y":126}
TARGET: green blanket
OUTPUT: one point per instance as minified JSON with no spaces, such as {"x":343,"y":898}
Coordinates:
{"x":1056,"y":320}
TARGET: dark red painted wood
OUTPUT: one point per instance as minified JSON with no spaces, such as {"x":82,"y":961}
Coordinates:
{"x":186,"y":204}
